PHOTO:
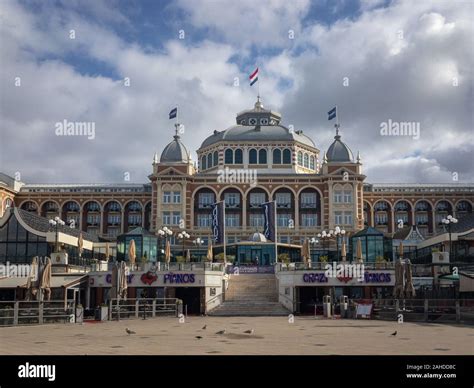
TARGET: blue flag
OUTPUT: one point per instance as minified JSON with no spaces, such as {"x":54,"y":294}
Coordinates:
{"x":173,"y":113}
{"x":218,"y":222}
{"x":332,"y":113}
{"x":269,"y":212}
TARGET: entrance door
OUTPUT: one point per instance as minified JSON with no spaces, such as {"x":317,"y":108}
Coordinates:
{"x":254,"y":254}
{"x":191,"y":297}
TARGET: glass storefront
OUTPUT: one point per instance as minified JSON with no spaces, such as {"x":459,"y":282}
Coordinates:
{"x":146,"y":245}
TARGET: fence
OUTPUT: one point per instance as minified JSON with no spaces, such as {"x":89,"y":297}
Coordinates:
{"x":35,"y":312}
{"x":143,"y":307}
{"x":426,"y":310}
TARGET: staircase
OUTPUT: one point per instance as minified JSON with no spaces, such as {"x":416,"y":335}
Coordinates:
{"x":251,"y":295}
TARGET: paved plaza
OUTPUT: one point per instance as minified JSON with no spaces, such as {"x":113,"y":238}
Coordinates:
{"x":272,"y":335}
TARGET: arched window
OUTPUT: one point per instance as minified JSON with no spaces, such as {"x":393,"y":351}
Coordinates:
{"x":216,"y":158}
{"x":276,"y":156}
{"x":229,"y":156}
{"x":286,"y":156}
{"x":239,"y":158}
{"x":262,"y":156}
{"x":253,"y":156}
{"x":209,"y":160}
{"x":300,"y":158}
{"x":203,"y":163}
{"x":311,"y":162}
{"x":306,"y":160}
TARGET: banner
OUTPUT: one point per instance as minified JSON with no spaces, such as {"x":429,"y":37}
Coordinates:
{"x":218,"y":222}
{"x":269,"y":212}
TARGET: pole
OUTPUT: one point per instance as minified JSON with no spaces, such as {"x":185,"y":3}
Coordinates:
{"x":225,"y":237}
{"x":276,"y":232}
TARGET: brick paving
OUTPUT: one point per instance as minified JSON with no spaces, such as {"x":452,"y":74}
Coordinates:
{"x":272,"y":335}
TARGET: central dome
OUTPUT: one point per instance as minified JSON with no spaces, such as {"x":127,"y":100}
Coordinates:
{"x":257,"y":237}
{"x":260,"y":133}
{"x":258,"y":124}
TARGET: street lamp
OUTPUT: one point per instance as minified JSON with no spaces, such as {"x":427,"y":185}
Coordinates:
{"x":448,"y":221}
{"x":183,"y":236}
{"x":198,"y":242}
{"x":325,"y":237}
{"x":56,"y":222}
{"x":338,"y":233}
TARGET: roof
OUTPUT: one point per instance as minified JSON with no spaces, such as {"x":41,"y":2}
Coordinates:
{"x":408,"y":233}
{"x":56,"y":281}
{"x":138,"y":231}
{"x":338,"y":151}
{"x":175,"y":152}
{"x":41,"y":224}
{"x":368,"y":231}
{"x":464,"y":223}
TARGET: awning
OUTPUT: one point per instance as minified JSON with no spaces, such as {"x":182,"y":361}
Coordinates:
{"x":12,"y":282}
{"x":66,"y":280}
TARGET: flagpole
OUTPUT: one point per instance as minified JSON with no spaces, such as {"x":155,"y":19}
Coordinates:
{"x":337,"y":121}
{"x":276,"y":232}
{"x":225,"y":237}
{"x":258,"y":86}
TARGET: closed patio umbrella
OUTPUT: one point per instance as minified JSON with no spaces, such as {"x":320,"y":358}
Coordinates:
{"x":33,"y":278}
{"x":343,"y":250}
{"x":107,"y":252}
{"x":168,"y":252}
{"x":80,"y":244}
{"x":45,"y":281}
{"x":409,"y":287}
{"x":400,"y":250}
{"x":132,"y":253}
{"x":305,"y":251}
{"x":398,"y":287}
{"x":210,"y":254}
{"x":122,"y":284}
{"x":188,"y":256}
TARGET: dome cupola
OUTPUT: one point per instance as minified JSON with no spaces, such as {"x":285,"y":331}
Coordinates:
{"x":338,"y":151}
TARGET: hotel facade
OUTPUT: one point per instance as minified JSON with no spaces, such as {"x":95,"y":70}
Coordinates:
{"x":254,"y":161}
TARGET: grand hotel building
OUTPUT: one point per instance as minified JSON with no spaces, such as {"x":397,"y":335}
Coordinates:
{"x":315,"y":190}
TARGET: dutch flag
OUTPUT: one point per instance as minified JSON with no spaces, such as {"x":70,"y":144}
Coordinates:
{"x":173,"y":113}
{"x":332,"y":113}
{"x":253,"y":77}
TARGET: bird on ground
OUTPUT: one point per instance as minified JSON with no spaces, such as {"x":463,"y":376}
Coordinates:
{"x":248,"y":331}
{"x":394,"y":333}
{"x":204,"y":327}
{"x":198,"y":337}
{"x":221,"y":332}
{"x":129,"y":331}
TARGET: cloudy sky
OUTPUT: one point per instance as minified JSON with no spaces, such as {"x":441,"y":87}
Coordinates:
{"x":404,"y":61}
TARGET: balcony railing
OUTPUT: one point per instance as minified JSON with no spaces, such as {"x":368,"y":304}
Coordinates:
{"x":308,"y":206}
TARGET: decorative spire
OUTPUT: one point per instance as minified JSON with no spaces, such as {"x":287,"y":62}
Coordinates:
{"x":325,"y":158}
{"x":258,"y":104}
{"x":176,"y":129}
{"x":359,"y":160}
{"x":337,"y":137}
{"x":155,"y":158}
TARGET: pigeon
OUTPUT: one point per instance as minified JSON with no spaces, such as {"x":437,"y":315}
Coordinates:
{"x":198,"y":337}
{"x":221,"y":332}
{"x":129,"y":331}
{"x":395,"y":333}
{"x":248,"y":331}
{"x":204,"y":327}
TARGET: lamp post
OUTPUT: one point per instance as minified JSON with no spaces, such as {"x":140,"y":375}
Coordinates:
{"x":56,"y":222}
{"x":338,"y":233}
{"x":183,"y":236}
{"x":448,"y":221}
{"x":325,"y":237}
{"x":198,"y":242}
{"x":312,"y":241}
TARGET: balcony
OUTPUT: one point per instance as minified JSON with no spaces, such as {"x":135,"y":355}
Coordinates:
{"x":255,"y":205}
{"x":284,"y":205}
{"x":232,"y":205}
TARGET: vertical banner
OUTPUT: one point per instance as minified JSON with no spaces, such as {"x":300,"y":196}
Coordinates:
{"x":217,"y":224}
{"x":269,"y":212}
